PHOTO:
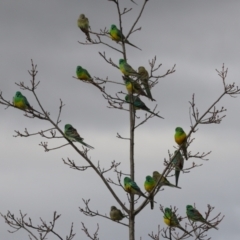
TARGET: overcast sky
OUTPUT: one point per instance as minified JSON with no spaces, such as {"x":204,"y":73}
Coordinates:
{"x":197,"y":36}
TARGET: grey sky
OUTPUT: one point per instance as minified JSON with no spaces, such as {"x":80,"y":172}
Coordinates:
{"x":197,"y":36}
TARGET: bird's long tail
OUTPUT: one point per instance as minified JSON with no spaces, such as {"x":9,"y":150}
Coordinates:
{"x":87,"y":34}
{"x":133,"y":45}
{"x":171,"y":185}
{"x":184,"y":149}
{"x":209,"y":224}
{"x":177,"y":173}
{"x":154,"y":114}
{"x":85,"y":144}
{"x":185,"y":230}
{"x":151,"y":201}
{"x":147,"y":89}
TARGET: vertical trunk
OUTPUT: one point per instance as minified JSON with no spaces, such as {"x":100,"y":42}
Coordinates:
{"x":132,"y":124}
{"x":131,"y":227}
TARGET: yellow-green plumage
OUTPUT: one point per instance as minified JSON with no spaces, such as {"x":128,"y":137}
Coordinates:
{"x":116,"y":214}
{"x":20,"y":101}
{"x":144,"y":77}
{"x":133,"y":86}
{"x":163,"y":182}
{"x":171,"y":220}
{"x":149,"y":185}
{"x":83,"y":74}
{"x":83,"y":24}
{"x":181,"y":139}
{"x":126,"y":69}
{"x":132,"y":188}
{"x":117,"y":36}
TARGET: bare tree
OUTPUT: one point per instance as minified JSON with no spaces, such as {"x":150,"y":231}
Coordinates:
{"x":211,"y":115}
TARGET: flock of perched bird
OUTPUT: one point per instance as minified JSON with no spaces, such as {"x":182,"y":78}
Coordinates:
{"x":133,"y":87}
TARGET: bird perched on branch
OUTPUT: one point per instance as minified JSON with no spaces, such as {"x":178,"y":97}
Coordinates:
{"x":83,"y":74}
{"x":83,"y":24}
{"x":178,"y":162}
{"x":126,"y":69}
{"x":131,"y":187}
{"x":116,"y":214}
{"x":181,"y":139}
{"x":133,"y":86}
{"x":194,"y":215}
{"x":72,"y":135}
{"x":144,"y":77}
{"x":21,"y":101}
{"x":139,"y":104}
{"x":171,"y":220}
{"x":149,"y":184}
{"x":163,"y":181}
{"x":117,"y":36}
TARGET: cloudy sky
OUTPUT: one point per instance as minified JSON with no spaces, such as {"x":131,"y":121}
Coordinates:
{"x":197,"y":36}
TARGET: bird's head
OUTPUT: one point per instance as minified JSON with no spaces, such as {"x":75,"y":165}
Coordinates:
{"x":79,"y":68}
{"x":141,"y":69}
{"x":121,"y":61}
{"x":68,"y":126}
{"x":127,"y":180}
{"x":113,"y":208}
{"x":189,"y":207}
{"x":113,"y":27}
{"x":179,"y":130}
{"x":18,"y":94}
{"x":82,"y":16}
{"x":149,"y":178}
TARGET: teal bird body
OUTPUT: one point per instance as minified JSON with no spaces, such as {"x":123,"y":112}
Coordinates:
{"x":131,"y":187}
{"x":72,"y":135}
{"x":138,"y":104}
{"x":117,"y":36}
{"x":194,"y":215}
{"x":21,"y":101}
{"x":178,"y":162}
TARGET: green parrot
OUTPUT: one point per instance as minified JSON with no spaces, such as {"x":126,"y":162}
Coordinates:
{"x":164,"y":182}
{"x":133,"y":86}
{"x":83,"y":24}
{"x":138,"y":104}
{"x":194,"y":215}
{"x":171,"y":220}
{"x":131,"y":187}
{"x":149,"y":184}
{"x":117,"y":36}
{"x":126,"y":69}
{"x":83,"y":74}
{"x":72,"y":135}
{"x":181,"y":139}
{"x":21,"y":101}
{"x":116,"y":214}
{"x":178,"y":162}
{"x":144,"y":77}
